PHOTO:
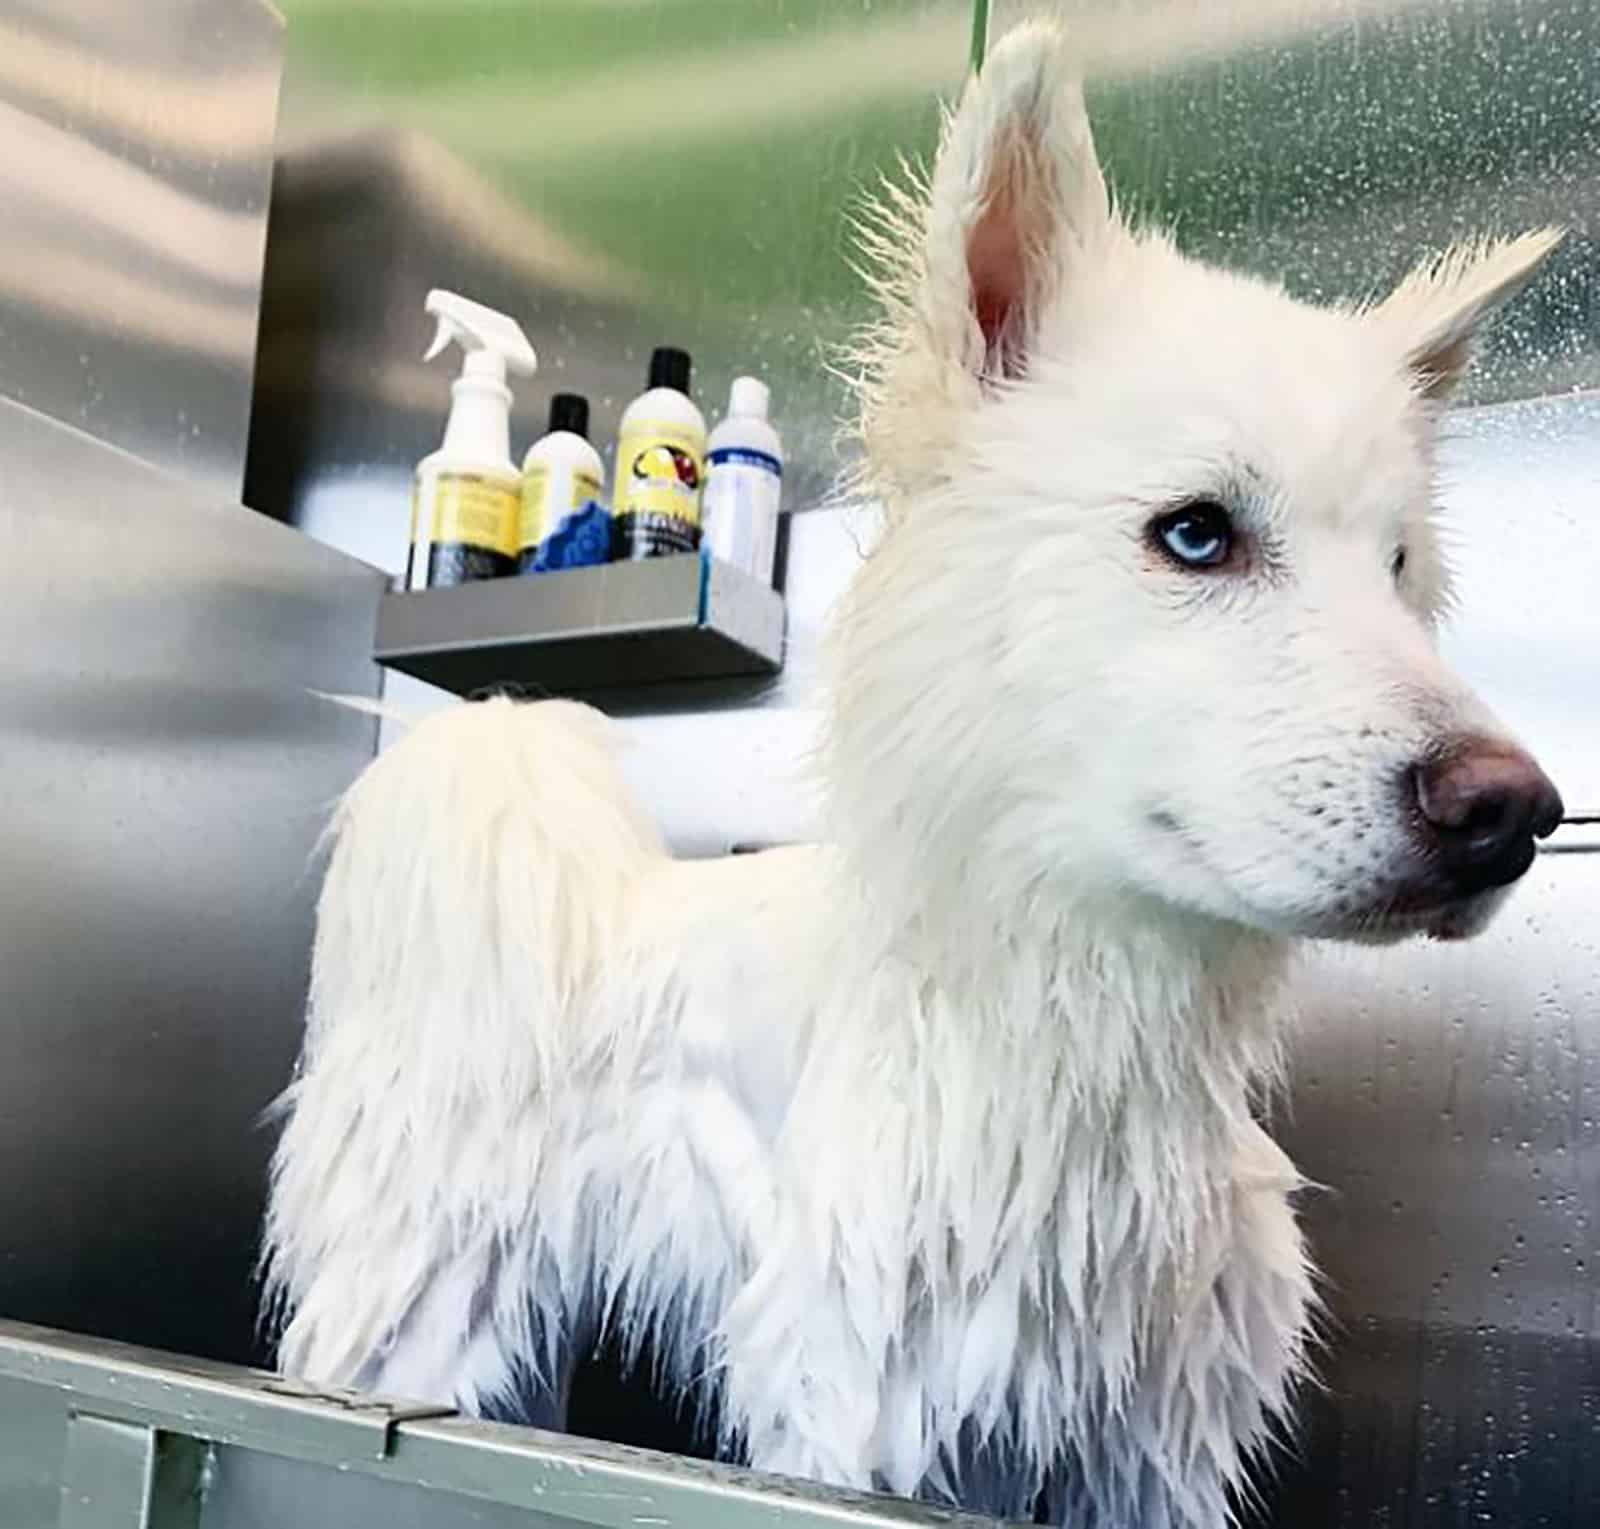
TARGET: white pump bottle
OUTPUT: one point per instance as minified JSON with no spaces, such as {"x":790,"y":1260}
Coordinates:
{"x":467,"y":496}
{"x":745,"y":483}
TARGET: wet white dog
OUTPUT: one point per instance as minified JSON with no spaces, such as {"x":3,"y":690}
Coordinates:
{"x":931,"y":1152}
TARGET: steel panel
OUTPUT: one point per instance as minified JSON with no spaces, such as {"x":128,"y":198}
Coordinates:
{"x":167,"y":773}
{"x":135,"y":176}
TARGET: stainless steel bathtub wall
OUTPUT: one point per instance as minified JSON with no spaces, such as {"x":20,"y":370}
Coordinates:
{"x":166,"y":773}
{"x":137,"y":157}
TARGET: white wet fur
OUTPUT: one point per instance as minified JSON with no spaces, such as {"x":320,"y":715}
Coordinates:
{"x":931,"y":1153}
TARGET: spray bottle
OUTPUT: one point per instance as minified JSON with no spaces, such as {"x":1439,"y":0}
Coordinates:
{"x":467,"y":496}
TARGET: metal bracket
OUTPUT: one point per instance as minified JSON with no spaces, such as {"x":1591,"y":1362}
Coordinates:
{"x":119,"y":1475}
{"x":380,"y":1412}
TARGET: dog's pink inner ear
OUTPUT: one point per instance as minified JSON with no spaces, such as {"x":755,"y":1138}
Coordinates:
{"x":994,"y":267}
{"x":1008,"y":236}
{"x":1438,"y":368}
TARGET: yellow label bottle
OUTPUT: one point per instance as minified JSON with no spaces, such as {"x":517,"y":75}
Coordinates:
{"x":563,"y":522}
{"x":549,"y":496}
{"x":463,"y":527}
{"x":661,"y":455}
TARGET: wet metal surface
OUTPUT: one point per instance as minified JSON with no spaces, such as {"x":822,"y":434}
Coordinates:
{"x":138,"y":145}
{"x":167,"y":773}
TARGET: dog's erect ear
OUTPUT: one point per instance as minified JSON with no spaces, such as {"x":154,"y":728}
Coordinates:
{"x":1016,"y":195}
{"x":1437,"y":310}
{"x":966,"y":265}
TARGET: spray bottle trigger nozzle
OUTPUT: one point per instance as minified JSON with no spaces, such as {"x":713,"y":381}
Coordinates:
{"x":479,"y":330}
{"x":441,"y":340}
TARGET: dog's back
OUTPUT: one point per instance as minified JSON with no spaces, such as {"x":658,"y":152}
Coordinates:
{"x":506,"y":1114}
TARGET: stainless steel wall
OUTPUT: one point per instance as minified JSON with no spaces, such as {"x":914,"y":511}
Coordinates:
{"x":136,"y":148}
{"x":166,"y":774}
{"x":691,"y":162}
{"x":166,"y":768}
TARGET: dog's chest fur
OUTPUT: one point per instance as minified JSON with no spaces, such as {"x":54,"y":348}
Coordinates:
{"x":1032,"y":1197}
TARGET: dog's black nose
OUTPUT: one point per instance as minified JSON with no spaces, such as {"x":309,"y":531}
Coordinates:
{"x":1484,"y":803}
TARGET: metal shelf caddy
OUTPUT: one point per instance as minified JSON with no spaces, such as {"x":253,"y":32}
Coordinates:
{"x":618,"y":625}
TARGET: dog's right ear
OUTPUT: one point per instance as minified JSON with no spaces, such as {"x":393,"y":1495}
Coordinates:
{"x":1438,"y":309}
{"x":966,"y":271}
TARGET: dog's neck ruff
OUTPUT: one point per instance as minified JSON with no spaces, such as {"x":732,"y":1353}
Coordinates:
{"x":1033,"y":1038}
{"x":1129,"y":995}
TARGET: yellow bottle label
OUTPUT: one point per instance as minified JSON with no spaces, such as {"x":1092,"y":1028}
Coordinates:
{"x":660,"y":470}
{"x":472,"y":511}
{"x":545,"y":505}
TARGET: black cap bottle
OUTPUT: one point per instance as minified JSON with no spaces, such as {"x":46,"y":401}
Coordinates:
{"x":661,"y":464}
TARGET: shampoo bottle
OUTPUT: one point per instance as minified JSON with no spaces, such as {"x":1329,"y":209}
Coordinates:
{"x":564,"y":522}
{"x":661,"y":451}
{"x":744,"y":483}
{"x":467,"y":495}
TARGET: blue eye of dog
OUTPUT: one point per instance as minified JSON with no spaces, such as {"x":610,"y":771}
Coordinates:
{"x":1195,"y":535}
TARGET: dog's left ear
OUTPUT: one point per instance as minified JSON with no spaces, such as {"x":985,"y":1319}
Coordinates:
{"x":1438,"y":309}
{"x":966,"y":269}
{"x":1017,"y":196}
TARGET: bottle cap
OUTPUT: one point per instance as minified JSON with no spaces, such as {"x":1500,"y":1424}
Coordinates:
{"x":748,"y":397}
{"x":669,"y":368}
{"x":570,"y":411}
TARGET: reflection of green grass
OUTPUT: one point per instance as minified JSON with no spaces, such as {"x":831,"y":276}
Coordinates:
{"x":1411,"y":107}
{"x":1373,"y":140}
{"x":739,"y":222}
{"x":1338,"y":162}
{"x":413,"y":43}
{"x":710,"y":224}
{"x":1414,"y":105}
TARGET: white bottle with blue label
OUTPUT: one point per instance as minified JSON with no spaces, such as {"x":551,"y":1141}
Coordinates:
{"x":744,"y":483}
